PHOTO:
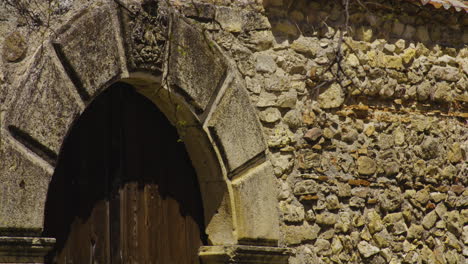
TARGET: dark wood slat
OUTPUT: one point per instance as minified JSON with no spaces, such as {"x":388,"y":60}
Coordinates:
{"x":100,"y":243}
{"x":115,"y":172}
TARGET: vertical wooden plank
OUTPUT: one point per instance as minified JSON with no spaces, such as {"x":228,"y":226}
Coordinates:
{"x":100,"y":233}
{"x":123,"y":226}
{"x":153,"y":224}
{"x":130,"y":157}
{"x":115,"y":235}
{"x":134,"y":239}
{"x":115,"y":172}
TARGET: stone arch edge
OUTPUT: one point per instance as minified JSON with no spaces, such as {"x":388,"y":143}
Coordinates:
{"x":241,"y":175}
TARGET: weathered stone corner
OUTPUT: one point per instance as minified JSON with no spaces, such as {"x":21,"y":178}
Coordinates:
{"x":235,"y":126}
{"x":23,"y":192}
{"x":195,"y":65}
{"x":256,"y":210}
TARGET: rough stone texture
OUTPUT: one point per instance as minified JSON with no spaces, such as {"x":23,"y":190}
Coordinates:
{"x":379,"y":175}
{"x":14,"y":47}
{"x":366,"y":166}
{"x":236,"y":127}
{"x":44,"y":108}
{"x":367,"y":249}
{"x":88,"y":50}
{"x":23,"y":192}
{"x":313,"y":134}
{"x":145,"y":46}
{"x":235,"y":20}
{"x":270,"y":115}
{"x":256,"y":209}
{"x":265,"y":64}
{"x":396,"y":105}
{"x":195,"y":65}
{"x":297,"y":234}
{"x":332,"y":97}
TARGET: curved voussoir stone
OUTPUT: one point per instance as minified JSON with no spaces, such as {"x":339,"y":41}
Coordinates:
{"x":256,"y":211}
{"x":235,"y":127}
{"x":44,"y":108}
{"x":23,"y":191}
{"x":195,"y":65}
{"x":89,"y":51}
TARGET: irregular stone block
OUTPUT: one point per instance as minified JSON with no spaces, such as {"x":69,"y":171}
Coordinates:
{"x":443,"y":92}
{"x":88,"y":50}
{"x":270,"y":115}
{"x":326,"y":218}
{"x":256,"y":205}
{"x":229,"y":19}
{"x":332,"y":97}
{"x":44,"y":108}
{"x":14,"y":47}
{"x":236,"y":128}
{"x":415,"y":232}
{"x":392,"y":62}
{"x":455,"y":153}
{"x":366,"y":166}
{"x":429,"y":220}
{"x":448,"y":73}
{"x":291,"y":212}
{"x":374,"y":222}
{"x":23,"y":191}
{"x":195,"y":66}
{"x":265,"y":63}
{"x":391,"y":199}
{"x":367,"y":249}
{"x":306,"y":187}
{"x":313,"y":134}
{"x":322,"y":247}
{"x":306,"y":45}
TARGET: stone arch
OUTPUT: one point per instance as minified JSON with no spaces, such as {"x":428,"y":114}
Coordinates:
{"x":173,"y":63}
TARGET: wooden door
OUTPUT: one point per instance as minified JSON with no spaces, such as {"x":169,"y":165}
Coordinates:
{"x":124,"y":190}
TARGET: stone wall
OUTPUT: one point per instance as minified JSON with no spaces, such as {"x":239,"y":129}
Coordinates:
{"x":369,"y":143}
{"x":365,"y":114}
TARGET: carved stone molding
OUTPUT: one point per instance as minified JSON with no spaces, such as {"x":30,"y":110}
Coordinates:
{"x":243,"y":254}
{"x":24,"y":249}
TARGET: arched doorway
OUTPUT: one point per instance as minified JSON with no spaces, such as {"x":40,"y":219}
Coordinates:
{"x":124,"y":190}
{"x":211,"y":109}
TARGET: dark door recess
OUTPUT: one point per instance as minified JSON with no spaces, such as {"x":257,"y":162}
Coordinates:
{"x":124,"y":190}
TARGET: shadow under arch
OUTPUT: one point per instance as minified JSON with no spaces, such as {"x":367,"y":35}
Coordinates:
{"x":72,"y":196}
